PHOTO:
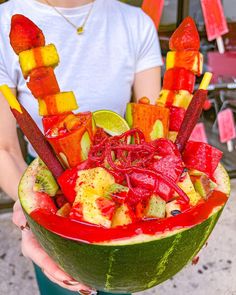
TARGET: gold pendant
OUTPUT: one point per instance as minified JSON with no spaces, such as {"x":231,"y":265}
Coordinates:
{"x":80,"y":30}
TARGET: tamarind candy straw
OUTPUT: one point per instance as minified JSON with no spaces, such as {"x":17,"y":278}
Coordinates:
{"x":193,"y":113}
{"x":33,"y":133}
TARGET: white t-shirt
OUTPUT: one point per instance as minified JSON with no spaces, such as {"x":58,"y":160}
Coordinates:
{"x":99,"y":66}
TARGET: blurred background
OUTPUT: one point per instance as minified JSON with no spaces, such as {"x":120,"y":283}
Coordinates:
{"x":217,"y":267}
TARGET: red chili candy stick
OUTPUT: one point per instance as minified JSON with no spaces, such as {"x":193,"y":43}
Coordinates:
{"x":33,"y":133}
{"x":193,"y":113}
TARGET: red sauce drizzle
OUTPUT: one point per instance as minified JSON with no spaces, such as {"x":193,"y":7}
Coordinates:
{"x":38,"y":57}
{"x":170,"y":98}
{"x":90,"y":233}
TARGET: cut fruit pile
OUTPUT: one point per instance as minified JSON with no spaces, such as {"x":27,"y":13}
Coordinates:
{"x":122,"y":183}
{"x":183,"y":62}
{"x":70,"y":135}
{"x":118,"y":176}
{"x":136,"y":195}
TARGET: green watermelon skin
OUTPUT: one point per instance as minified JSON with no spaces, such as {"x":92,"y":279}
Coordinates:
{"x":125,"y":268}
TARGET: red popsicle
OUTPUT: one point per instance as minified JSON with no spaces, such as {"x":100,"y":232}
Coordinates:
{"x":226,"y":128}
{"x":214,"y":17}
{"x":154,"y":9}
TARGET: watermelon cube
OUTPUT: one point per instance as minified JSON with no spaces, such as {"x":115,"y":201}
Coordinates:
{"x":176,"y":118}
{"x":202,"y":156}
{"x":43,"y":82}
{"x":179,"y":79}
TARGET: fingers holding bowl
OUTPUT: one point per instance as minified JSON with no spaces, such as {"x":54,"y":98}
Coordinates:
{"x":18,"y":216}
{"x":32,"y":249}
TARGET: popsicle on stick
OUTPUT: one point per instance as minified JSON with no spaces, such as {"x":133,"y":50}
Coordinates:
{"x":226,"y":128}
{"x":33,"y":133}
{"x":215,"y":21}
{"x":154,"y":9}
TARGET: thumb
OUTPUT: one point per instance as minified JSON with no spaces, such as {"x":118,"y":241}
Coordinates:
{"x":18,"y":216}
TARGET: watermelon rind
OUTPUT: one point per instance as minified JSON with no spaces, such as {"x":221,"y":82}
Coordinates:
{"x":130,"y":266}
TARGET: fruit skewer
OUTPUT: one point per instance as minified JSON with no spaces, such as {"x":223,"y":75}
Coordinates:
{"x":183,"y":62}
{"x":33,"y":133}
{"x":70,"y":135}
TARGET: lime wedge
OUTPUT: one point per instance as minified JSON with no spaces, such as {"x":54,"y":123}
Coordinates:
{"x":111,"y":122}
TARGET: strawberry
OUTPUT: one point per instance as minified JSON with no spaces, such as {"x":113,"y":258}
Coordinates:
{"x":185,"y":37}
{"x":25,"y":34}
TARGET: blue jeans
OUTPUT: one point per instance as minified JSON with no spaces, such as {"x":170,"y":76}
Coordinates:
{"x":46,"y":287}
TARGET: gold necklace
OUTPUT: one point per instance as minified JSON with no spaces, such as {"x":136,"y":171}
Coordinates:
{"x":80,"y":29}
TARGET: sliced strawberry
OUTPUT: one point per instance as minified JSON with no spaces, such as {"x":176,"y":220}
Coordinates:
{"x":185,"y":37}
{"x":25,"y":34}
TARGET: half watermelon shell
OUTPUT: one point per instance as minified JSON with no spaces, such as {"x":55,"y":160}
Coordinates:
{"x":128,"y":265}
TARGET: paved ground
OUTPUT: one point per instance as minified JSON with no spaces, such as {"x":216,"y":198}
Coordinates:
{"x":213,"y":275}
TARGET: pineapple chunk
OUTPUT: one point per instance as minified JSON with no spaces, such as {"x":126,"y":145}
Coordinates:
{"x":121,"y":216}
{"x":188,"y":187}
{"x":58,"y":103}
{"x":91,"y":185}
{"x":180,"y":98}
{"x":156,"y":207}
{"x":96,"y":180}
{"x":172,"y":135}
{"x":90,"y":210}
{"x":45,"y":56}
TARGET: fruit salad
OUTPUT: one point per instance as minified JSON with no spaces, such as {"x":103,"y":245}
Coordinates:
{"x":142,"y":187}
{"x":135,"y":176}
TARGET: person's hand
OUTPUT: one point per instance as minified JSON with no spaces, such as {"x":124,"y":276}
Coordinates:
{"x":31,"y":249}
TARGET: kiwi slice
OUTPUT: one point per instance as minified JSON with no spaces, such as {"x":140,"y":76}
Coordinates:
{"x":41,"y":163}
{"x":45,"y":182}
